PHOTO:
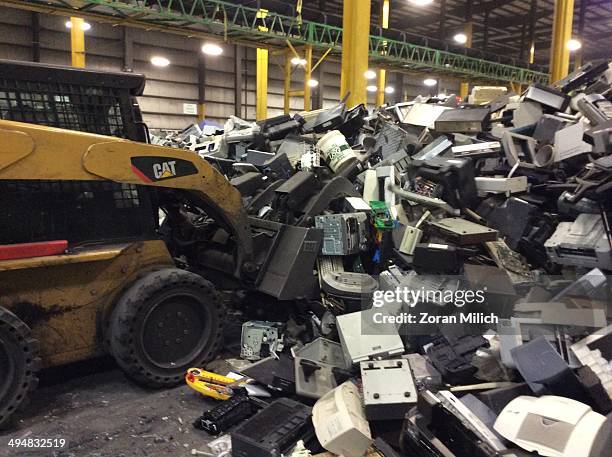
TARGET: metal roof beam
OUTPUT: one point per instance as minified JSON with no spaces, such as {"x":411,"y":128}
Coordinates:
{"x":272,"y":30}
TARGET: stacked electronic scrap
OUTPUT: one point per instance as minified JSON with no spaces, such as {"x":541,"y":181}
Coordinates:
{"x":510,"y":197}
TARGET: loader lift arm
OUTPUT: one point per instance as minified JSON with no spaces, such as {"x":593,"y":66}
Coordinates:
{"x":29,"y":152}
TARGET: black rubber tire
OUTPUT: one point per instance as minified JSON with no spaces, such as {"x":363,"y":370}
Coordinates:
{"x":19,"y":364}
{"x":169,"y":310}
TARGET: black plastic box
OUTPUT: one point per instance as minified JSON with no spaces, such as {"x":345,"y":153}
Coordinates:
{"x":274,"y":430}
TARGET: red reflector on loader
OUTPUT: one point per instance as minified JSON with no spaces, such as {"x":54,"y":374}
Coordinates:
{"x":28,"y":250}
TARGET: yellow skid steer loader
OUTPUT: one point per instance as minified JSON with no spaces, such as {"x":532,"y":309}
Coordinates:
{"x":86,"y":267}
{"x":121,"y":284}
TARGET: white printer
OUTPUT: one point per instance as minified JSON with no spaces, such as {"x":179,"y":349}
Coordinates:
{"x":555,"y":427}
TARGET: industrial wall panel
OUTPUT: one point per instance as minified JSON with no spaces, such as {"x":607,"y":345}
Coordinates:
{"x":164,"y":105}
{"x":105,"y":47}
{"x":160,"y":121}
{"x":223,"y":63}
{"x":100,"y":62}
{"x":158,"y":88}
{"x":10,"y":51}
{"x":54,"y":57}
{"x":219,"y":95}
{"x":56,"y":41}
{"x":170,"y":74}
{"x":15,"y":17}
{"x":218,"y":112}
{"x":167,"y":40}
{"x":219,"y":79}
{"x":15,"y":34}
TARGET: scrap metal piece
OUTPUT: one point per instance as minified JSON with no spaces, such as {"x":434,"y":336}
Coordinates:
{"x":362,"y":338}
{"x":521,"y":150}
{"x":596,"y":108}
{"x":261,"y":436}
{"x":581,"y":243}
{"x":260,"y":339}
{"x":463,"y":232}
{"x":289,"y":254}
{"x":481,"y":149}
{"x":451,"y":179}
{"x":507,"y":186}
{"x":424,"y":114}
{"x":568,"y":142}
{"x":527,"y":113}
{"x":504,"y":257}
{"x":423,"y":200}
{"x":337,"y":188}
{"x":388,"y":388}
{"x":595,"y":351}
{"x":343,"y":234}
{"x":434,"y":149}
{"x":548,"y":97}
{"x":315,"y":364}
{"x":465,"y":120}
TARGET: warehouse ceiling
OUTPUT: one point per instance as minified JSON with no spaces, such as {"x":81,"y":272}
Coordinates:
{"x":507,"y":33}
{"x":245,"y":23}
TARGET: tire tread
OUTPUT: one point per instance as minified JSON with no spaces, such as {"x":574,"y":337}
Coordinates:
{"x":27,"y":379}
{"x":126,"y":312}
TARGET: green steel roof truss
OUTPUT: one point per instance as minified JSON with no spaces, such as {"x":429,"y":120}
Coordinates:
{"x":225,"y":19}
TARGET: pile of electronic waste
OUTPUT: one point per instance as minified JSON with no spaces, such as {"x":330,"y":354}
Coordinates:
{"x":506,"y":201}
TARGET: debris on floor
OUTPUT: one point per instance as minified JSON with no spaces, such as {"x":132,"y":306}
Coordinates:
{"x":451,"y":263}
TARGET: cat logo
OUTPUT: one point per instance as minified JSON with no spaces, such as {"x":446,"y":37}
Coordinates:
{"x":156,"y":168}
{"x":164,"y":170}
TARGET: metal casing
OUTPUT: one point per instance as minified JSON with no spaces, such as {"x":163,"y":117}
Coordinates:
{"x":388,"y":388}
{"x":288,"y":270}
{"x":581,"y":243}
{"x":343,"y":234}
{"x":314,"y":364}
{"x":260,"y":339}
{"x":362,"y":338}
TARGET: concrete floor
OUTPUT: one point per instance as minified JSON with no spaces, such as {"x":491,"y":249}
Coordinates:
{"x":106,"y":415}
{"x":101,"y":413}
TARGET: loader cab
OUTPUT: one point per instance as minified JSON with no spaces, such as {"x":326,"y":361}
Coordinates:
{"x":73,"y":98}
{"x":104,"y":103}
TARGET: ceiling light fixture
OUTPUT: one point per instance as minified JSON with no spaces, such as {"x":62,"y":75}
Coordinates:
{"x":389,"y":90}
{"x":298,"y":61}
{"x":85,"y":26}
{"x":460,"y":38}
{"x":573,"y":45}
{"x":160,"y":61}
{"x":212,"y":49}
{"x":370,"y":74}
{"x":372,"y":88}
{"x":313,"y":83}
{"x":430,"y":82}
{"x":421,"y":2}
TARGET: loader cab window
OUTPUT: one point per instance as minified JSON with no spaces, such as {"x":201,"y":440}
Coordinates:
{"x":77,"y":211}
{"x":68,"y":106}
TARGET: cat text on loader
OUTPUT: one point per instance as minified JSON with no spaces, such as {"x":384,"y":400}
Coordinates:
{"x":86,"y":266}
